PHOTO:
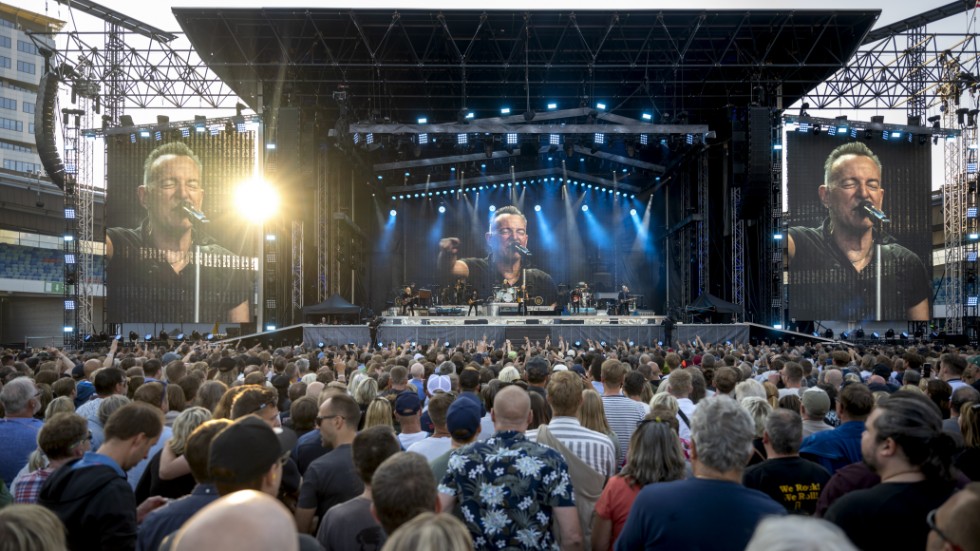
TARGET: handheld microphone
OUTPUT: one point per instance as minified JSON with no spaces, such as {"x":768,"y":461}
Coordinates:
{"x":522,"y":250}
{"x":873,"y":212}
{"x":195,"y":215}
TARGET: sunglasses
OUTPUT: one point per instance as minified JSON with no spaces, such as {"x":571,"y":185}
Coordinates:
{"x":931,"y":521}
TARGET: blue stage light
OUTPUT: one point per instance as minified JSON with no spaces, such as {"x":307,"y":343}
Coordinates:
{"x":537,"y":208}
{"x":632,"y":212}
{"x":442,"y":208}
{"x":585,"y":208}
{"x":392,"y":212}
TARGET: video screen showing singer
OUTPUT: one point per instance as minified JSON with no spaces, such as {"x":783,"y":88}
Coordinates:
{"x":836,"y":261}
{"x":151,"y":269}
{"x":507,"y":263}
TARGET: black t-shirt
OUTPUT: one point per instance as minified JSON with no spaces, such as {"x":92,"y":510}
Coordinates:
{"x":143,"y":287}
{"x":793,"y":482}
{"x":824,"y":284}
{"x":890,"y":515}
{"x":329,"y":480}
{"x":483,"y":276}
{"x":968,"y":461}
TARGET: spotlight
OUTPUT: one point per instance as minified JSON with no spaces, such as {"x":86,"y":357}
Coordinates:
{"x":442,"y":209}
{"x":148,"y":337}
{"x":890,"y":334}
{"x":537,"y":208}
{"x":126,"y":121}
{"x":859,"y":333}
{"x":493,"y":208}
{"x":392,"y":213}
{"x":180,"y":336}
{"x":585,"y":208}
{"x":829,"y":333}
{"x":632,"y":212}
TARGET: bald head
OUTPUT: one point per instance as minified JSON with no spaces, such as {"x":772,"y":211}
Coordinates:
{"x":511,"y":409}
{"x":833,"y":377}
{"x":208,"y":529}
{"x":91,"y":366}
{"x":956,"y":519}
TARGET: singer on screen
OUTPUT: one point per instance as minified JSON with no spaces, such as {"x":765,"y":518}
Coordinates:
{"x":839,"y":256}
{"x":507,"y":262}
{"x":156,"y":270}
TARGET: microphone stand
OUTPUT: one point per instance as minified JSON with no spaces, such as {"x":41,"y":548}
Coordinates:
{"x":877,"y":232}
{"x":198,"y":219}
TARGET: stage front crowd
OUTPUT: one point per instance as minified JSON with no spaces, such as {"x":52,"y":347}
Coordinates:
{"x":491,"y":445}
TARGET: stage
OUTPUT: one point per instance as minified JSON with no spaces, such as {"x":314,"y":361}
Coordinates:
{"x":640,"y":330}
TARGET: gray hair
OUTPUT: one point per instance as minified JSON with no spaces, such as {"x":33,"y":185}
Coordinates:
{"x":722,"y":433}
{"x":177,"y":149}
{"x":749,"y":387}
{"x":785,"y":429}
{"x":366,"y":391}
{"x":759,"y":409}
{"x":851,"y":148}
{"x":665,"y":400}
{"x":16,"y":394}
{"x":109,"y":405}
{"x":798,"y":533}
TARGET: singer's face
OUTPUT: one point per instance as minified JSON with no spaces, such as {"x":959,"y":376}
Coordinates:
{"x":508,"y":230}
{"x":173,"y":180}
{"x":854,"y":180}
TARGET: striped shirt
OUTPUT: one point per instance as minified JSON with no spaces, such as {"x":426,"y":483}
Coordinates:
{"x":623,"y":416}
{"x":594,"y":448}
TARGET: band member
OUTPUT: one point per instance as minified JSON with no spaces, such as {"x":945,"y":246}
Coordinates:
{"x":460,"y":288}
{"x":408,"y":301}
{"x":576,"y":299}
{"x":623,"y":307}
{"x":474,"y":302}
{"x":507,"y":240}
{"x":521,"y":300}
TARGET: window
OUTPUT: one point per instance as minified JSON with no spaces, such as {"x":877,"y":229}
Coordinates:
{"x":25,"y":67}
{"x":4,"y":62}
{"x":30,"y":128}
{"x":28,"y":107}
{"x":11,"y":124}
{"x":4,"y":41}
{"x":21,"y":166}
{"x":15,"y":147}
{"x":26,"y":47}
{"x":7,"y":23}
{"x":7,"y":103}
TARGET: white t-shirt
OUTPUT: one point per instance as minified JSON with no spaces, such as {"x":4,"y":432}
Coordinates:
{"x":431,"y":447}
{"x":409,"y":439}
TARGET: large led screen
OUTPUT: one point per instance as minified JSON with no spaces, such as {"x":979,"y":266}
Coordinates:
{"x":859,"y":235}
{"x":164,"y":262}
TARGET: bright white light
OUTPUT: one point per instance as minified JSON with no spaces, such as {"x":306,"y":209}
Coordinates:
{"x":585,"y":208}
{"x":423,"y":120}
{"x":442,"y":208}
{"x":600,"y":105}
{"x":493,"y":208}
{"x":647,"y":116}
{"x":256,"y":200}
{"x":537,"y":208}
{"x":505,"y":111}
{"x":552,"y":106}
{"x":392,"y":213}
{"x":632,"y":212}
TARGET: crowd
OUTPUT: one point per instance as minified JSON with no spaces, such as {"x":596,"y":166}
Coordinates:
{"x":532,"y":445}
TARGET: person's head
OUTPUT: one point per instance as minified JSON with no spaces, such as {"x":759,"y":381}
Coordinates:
{"x":184,"y":425}
{"x":209,"y":527}
{"x":796,"y":532}
{"x":784,"y":431}
{"x":791,"y":374}
{"x":30,"y":528}
{"x":302,"y":413}
{"x":439,"y":408}
{"x":679,"y":384}
{"x":565,"y":393}
{"x":248,"y":455}
{"x":171,"y":177}
{"x":855,"y":402}
{"x":370,"y":448}
{"x":20,"y":398}
{"x":721,"y":435}
{"x":463,"y":420}
{"x":654,"y":453}
{"x":379,"y":412}
{"x":197,"y":449}
{"x":134,"y":429}
{"x":431,"y":531}
{"x":64,"y":436}
{"x":725,"y":380}
{"x":613,"y":373}
{"x":511,"y":409}
{"x":592,"y":414}
{"x":338,"y":419}
{"x":852,"y":175}
{"x":109,"y":405}
{"x":953,"y":526}
{"x":665,"y":401}
{"x":209,"y":394}
{"x":366,"y":390}
{"x":408,"y":407}
{"x":402,"y":487}
{"x":64,"y":386}
{"x":815,"y":403}
{"x":258,"y":400}
{"x":61,"y":404}
{"x":508,"y":228}
{"x":970,"y":424}
{"x":749,"y":387}
{"x":759,"y":409}
{"x":961,"y":396}
{"x":905,"y":432}
{"x":951,"y":366}
{"x":537,"y":369}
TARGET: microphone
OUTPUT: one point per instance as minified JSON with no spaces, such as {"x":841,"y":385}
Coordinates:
{"x":195,"y":215}
{"x":522,"y":250}
{"x":873,"y":212}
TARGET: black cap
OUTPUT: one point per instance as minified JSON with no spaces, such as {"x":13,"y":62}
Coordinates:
{"x":247,"y":448}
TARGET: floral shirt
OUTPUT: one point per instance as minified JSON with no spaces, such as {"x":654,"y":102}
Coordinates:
{"x":505,"y":489}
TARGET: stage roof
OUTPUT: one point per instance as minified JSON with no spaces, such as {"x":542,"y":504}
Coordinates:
{"x":398,"y":65}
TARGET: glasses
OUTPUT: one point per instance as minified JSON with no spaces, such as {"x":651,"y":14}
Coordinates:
{"x":931,"y":521}
{"x":325,"y":417}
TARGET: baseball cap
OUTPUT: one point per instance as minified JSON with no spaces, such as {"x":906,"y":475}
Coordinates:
{"x":445,"y":368}
{"x":536,"y":368}
{"x":169,"y":357}
{"x":816,"y":402}
{"x":407,"y":403}
{"x":463,"y":419}
{"x":439,"y":383}
{"x":83,"y":392}
{"x":509,"y":374}
{"x":226,"y":364}
{"x":559,"y":367}
{"x":247,"y":448}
